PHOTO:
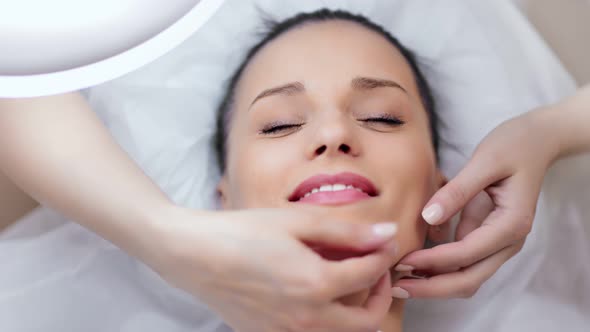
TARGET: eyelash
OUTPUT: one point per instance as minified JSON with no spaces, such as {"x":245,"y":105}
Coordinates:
{"x":274,"y":128}
{"x":385,"y":119}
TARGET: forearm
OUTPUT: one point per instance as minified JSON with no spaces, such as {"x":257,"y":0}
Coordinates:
{"x":57,"y":150}
{"x":13,"y":202}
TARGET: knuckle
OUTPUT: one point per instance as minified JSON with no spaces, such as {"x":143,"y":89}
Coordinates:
{"x":519,"y":246}
{"x":523,"y":226}
{"x":469,"y":290}
{"x":514,"y":249}
{"x":467,"y":293}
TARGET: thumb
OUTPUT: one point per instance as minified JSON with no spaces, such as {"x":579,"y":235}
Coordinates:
{"x":345,"y":235}
{"x":476,"y":176}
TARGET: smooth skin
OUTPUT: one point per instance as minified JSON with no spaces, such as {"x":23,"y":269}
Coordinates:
{"x":13,"y":203}
{"x":497,"y":191}
{"x":57,"y":150}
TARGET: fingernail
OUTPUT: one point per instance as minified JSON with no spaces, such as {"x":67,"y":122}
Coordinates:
{"x":385,"y":230}
{"x":403,"y":268}
{"x":400,"y":293}
{"x":432,"y":214}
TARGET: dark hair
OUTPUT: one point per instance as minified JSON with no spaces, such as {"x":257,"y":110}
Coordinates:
{"x":275,"y":29}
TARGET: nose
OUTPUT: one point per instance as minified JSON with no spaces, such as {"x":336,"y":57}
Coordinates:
{"x":335,"y":137}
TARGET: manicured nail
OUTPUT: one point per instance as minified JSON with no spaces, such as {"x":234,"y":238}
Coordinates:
{"x":385,"y":230}
{"x":400,"y":293}
{"x":403,"y":268}
{"x":432,"y":214}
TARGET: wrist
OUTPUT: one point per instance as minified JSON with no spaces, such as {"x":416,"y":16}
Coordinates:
{"x":161,"y":238}
{"x":552,"y":132}
{"x":569,"y":122}
{"x":154,"y":222}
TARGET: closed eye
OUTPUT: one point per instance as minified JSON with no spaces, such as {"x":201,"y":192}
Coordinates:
{"x":384,"y":119}
{"x":277,"y":128}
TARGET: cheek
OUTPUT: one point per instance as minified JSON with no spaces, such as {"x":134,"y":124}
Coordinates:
{"x":258,"y":172}
{"x":409,"y":170}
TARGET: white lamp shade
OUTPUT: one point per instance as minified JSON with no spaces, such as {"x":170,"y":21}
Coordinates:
{"x":50,"y":47}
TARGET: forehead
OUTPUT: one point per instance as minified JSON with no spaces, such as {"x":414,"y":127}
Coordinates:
{"x":324,"y":54}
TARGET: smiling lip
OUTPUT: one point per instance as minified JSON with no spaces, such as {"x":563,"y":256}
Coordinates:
{"x":345,"y":196}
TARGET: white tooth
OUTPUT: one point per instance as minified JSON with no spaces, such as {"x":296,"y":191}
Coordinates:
{"x":307,"y":194}
{"x":338,"y":187}
{"x":326,"y":187}
{"x":358,"y":189}
{"x":350,"y":186}
{"x":314,"y":190}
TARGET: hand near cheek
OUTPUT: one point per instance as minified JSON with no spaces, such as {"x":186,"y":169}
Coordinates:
{"x":497,"y":192}
{"x":256,"y":270}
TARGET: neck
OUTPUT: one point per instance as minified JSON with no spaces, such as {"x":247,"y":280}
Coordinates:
{"x":394,"y":319}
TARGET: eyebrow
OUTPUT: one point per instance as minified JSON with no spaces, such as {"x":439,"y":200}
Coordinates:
{"x":358,"y":83}
{"x":288,"y":89}
{"x":368,"y":83}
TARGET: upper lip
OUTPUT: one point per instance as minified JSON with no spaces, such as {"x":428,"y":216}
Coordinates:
{"x":346,"y":178}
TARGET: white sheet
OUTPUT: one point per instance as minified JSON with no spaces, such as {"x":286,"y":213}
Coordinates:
{"x":485,"y":64}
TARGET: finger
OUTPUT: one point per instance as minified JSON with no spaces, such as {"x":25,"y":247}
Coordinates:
{"x":464,"y":283}
{"x":478,"y":174}
{"x":484,"y":241}
{"x":474,"y":214}
{"x":509,"y":223}
{"x":439,"y":233}
{"x":367,"y":317}
{"x":359,"y":273}
{"x":344,"y":235}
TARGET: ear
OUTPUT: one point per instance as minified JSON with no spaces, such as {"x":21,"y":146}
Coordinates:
{"x":223,"y":193}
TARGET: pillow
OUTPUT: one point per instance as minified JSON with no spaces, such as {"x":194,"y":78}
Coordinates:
{"x":485,"y":65}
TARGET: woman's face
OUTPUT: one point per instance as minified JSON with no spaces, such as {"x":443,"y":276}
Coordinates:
{"x":328,"y":116}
